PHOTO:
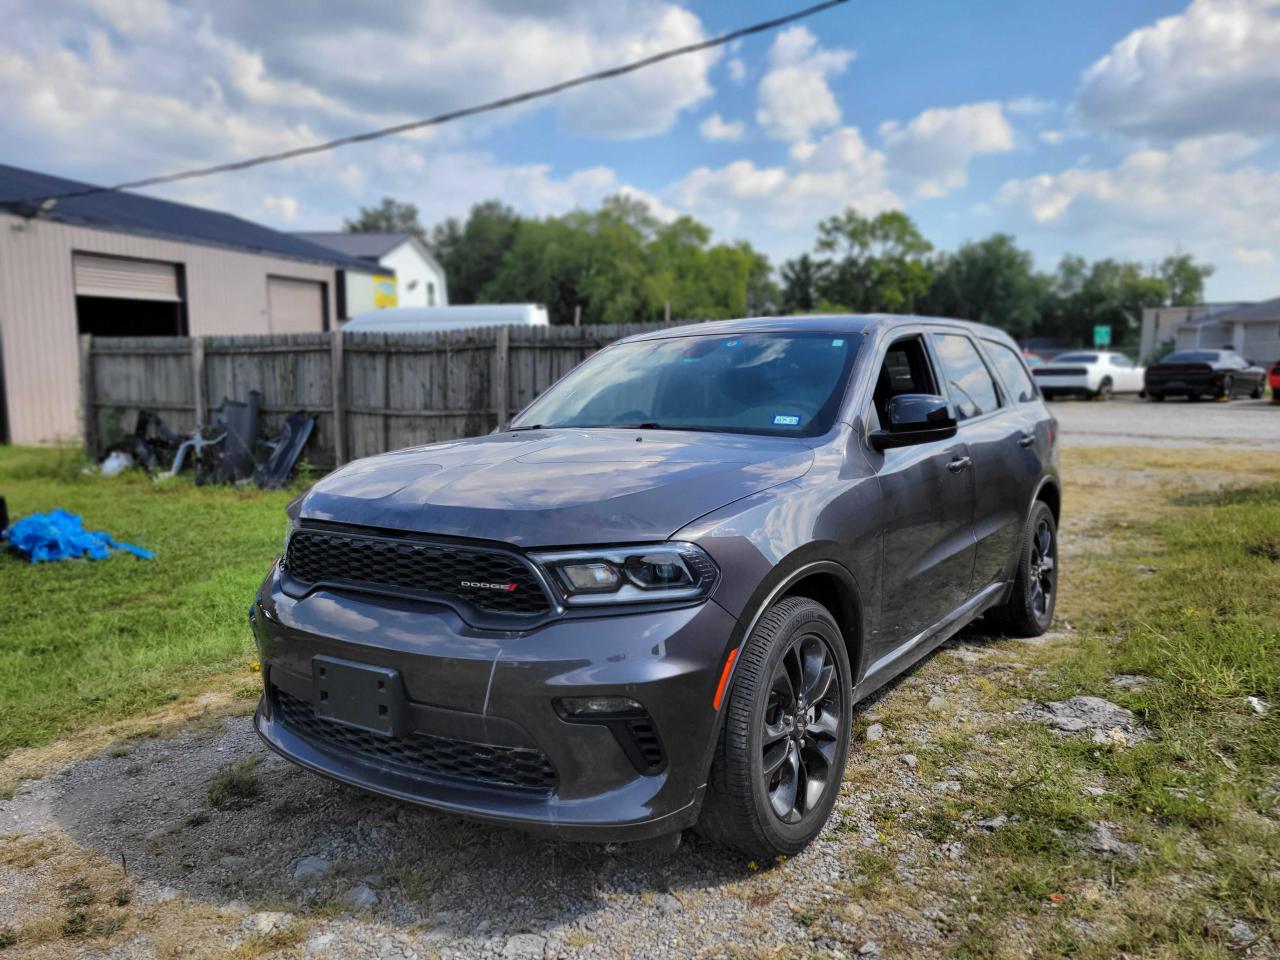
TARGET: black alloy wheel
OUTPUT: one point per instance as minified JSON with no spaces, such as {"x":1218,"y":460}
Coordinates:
{"x":801,"y":726}
{"x":781,"y":753}
{"x":1029,"y":609}
{"x":1042,"y":569}
{"x":1228,"y":389}
{"x":1105,"y":389}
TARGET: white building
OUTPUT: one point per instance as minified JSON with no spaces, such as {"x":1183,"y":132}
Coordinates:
{"x":1250,"y":329}
{"x":418,"y":278}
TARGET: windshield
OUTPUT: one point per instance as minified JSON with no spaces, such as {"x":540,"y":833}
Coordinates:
{"x":1191,"y":356}
{"x":784,"y":384}
{"x":1076,"y":358}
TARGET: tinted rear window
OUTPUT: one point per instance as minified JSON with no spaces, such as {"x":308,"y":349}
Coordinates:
{"x":1075,"y":358}
{"x":1192,"y":356}
{"x":1011,"y":370}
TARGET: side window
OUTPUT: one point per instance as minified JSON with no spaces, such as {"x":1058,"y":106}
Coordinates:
{"x":972,"y":389}
{"x":1009,"y":366}
{"x":1120,"y":360}
{"x":905,"y":369}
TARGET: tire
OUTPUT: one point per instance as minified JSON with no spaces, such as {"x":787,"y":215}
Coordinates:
{"x":1256,"y":392}
{"x":1105,"y":390}
{"x":739,"y":808}
{"x":1228,"y":389}
{"x":1157,"y":397}
{"x":1029,"y":609}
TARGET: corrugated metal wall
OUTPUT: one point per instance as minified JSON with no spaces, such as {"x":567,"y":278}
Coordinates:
{"x":226,"y":293}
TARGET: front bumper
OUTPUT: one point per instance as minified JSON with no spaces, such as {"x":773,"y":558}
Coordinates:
{"x":486,"y":693}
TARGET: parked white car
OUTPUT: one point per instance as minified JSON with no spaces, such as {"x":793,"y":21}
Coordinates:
{"x":1095,"y":373}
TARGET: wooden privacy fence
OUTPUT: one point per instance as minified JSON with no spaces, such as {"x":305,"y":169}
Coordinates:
{"x":369,"y":392}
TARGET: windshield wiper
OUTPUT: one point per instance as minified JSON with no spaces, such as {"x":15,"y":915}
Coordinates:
{"x":532,"y":426}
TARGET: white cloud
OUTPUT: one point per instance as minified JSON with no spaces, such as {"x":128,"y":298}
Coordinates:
{"x":1205,"y":194}
{"x":778,"y":206}
{"x":1053,"y":137}
{"x":794,"y":99}
{"x":737,"y":69}
{"x":1028,"y":105}
{"x":934,"y":149}
{"x":1214,"y":67}
{"x":1253,"y":255}
{"x":715,"y":127}
{"x":283,"y":206}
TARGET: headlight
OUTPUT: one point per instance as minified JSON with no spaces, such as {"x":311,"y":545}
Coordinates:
{"x":643,"y":574}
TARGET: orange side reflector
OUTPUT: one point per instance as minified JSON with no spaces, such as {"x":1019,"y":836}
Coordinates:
{"x":724,"y":678}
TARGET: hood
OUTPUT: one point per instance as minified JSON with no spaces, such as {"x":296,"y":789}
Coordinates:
{"x":556,"y":487}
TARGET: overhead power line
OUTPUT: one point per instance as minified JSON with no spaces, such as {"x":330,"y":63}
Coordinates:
{"x":499,"y":104}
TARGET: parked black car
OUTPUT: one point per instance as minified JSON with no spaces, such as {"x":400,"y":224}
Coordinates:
{"x":1204,"y":373}
{"x":654,"y":600}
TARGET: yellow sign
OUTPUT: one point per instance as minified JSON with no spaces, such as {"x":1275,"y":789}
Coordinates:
{"x":384,"y":292}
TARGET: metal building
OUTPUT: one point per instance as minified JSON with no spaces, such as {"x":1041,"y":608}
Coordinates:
{"x":122,"y":264}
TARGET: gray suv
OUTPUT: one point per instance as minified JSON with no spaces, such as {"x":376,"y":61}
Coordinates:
{"x":653,"y":602}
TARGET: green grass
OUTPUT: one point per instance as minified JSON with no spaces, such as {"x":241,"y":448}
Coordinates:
{"x":1201,"y":799}
{"x":92,"y":641}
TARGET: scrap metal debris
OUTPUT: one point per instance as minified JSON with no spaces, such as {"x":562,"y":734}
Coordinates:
{"x":224,"y":452}
{"x":59,"y":535}
{"x":285,"y":450}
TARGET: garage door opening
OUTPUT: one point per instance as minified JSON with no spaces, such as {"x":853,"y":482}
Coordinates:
{"x":119,"y":297}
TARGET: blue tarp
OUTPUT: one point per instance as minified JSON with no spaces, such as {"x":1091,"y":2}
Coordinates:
{"x":60,"y":535}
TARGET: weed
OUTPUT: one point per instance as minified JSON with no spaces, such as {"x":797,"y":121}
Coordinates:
{"x":235,"y":785}
{"x":76,"y":924}
{"x":8,"y":937}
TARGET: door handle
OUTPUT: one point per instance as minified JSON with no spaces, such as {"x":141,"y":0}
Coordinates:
{"x":1026,"y":440}
{"x":960,"y":463}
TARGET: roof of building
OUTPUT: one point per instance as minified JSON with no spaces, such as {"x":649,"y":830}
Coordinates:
{"x":371,"y":246}
{"x":1266,"y":310}
{"x":368,"y":246}
{"x":125,"y":212}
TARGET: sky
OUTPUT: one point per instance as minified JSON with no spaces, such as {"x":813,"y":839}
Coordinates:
{"x":1131,"y":130}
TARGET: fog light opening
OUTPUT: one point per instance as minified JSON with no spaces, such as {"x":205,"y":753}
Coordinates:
{"x":598,"y":708}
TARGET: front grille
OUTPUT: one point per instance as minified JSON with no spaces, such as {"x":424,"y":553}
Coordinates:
{"x":436,"y":569}
{"x":421,"y":754}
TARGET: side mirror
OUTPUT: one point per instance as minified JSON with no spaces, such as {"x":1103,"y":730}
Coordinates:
{"x":915,"y":418}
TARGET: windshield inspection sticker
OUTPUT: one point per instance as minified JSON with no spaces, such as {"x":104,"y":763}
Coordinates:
{"x":837,"y":343}
{"x":731,"y":343}
{"x":782,"y":420}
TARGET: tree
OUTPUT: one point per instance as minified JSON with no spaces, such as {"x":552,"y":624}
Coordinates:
{"x":620,"y":264}
{"x":1184,"y":279}
{"x":390,"y":216}
{"x":472,"y":253}
{"x":1105,"y":293}
{"x":800,"y":279}
{"x":878,"y":264}
{"x":991,"y":281}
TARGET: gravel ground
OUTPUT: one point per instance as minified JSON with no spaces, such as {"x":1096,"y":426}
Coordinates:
{"x":353,"y":875}
{"x":1240,"y":424}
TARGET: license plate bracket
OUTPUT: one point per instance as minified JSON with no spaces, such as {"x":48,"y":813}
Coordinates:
{"x":359,"y":695}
